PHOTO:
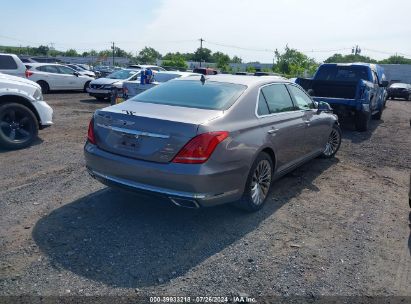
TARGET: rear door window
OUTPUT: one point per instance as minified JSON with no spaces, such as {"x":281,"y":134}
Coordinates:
{"x":277,"y":98}
{"x":7,"y":63}
{"x":48,"y":69}
{"x":301,"y":99}
{"x":65,"y":70}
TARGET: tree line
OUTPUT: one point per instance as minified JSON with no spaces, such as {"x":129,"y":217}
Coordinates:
{"x":289,"y":62}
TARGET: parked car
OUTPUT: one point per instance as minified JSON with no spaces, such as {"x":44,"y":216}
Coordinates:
{"x":145,"y":66}
{"x":206,"y":141}
{"x":12,"y":65}
{"x":131,"y":88}
{"x":205,"y":71}
{"x":22,"y":112}
{"x":101,"y":88}
{"x":399,"y":90}
{"x":357,"y":90}
{"x":53,"y":77}
{"x":104,"y":71}
{"x":81,"y":71}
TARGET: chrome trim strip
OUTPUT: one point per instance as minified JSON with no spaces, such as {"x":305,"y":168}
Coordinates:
{"x":133,"y":132}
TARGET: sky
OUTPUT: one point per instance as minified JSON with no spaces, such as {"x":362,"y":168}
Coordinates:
{"x":250,"y":29}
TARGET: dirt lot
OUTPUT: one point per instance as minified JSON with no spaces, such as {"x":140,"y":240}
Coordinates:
{"x":332,"y":227}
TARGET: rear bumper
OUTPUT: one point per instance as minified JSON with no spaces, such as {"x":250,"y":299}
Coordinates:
{"x":205,"y":186}
{"x":346,"y":107}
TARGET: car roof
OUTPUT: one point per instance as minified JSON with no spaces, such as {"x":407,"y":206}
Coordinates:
{"x":179,"y":73}
{"x":239,"y":79}
{"x":34,"y":64}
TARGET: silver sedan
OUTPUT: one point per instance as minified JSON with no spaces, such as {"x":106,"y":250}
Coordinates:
{"x":208,"y":140}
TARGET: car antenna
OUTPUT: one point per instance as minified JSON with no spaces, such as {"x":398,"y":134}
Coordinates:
{"x":202,"y":79}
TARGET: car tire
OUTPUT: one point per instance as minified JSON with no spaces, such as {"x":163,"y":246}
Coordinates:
{"x":257,"y":187}
{"x":86,"y":86}
{"x":362,"y":121}
{"x":45,"y":88}
{"x":333,"y":142}
{"x":377,"y":116}
{"x":18,"y":126}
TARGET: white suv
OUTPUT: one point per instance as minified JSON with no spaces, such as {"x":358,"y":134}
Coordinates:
{"x":51,"y":76}
{"x":12,"y":65}
{"x":22,"y":112}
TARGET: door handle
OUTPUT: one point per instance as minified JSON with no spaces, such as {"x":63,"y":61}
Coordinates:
{"x":272,"y":131}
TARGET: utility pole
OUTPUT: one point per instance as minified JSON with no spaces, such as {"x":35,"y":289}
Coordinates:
{"x":356,"y":50}
{"x":114,"y":49}
{"x":201,"y":49}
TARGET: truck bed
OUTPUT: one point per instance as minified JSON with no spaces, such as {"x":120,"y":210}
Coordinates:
{"x":332,"y":89}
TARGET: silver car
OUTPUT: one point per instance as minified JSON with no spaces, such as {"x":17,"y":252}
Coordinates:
{"x":207,"y":140}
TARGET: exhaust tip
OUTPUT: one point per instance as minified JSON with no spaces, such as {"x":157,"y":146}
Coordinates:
{"x":184,"y":203}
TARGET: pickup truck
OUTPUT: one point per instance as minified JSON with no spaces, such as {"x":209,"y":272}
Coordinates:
{"x":357,"y":90}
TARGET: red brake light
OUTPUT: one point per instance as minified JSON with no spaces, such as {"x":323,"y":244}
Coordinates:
{"x":199,"y":149}
{"x":28,"y":73}
{"x":90,"y":134}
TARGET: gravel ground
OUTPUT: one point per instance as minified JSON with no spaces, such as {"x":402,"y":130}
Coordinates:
{"x":332,"y":227}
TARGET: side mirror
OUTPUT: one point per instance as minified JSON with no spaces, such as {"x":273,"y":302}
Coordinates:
{"x":384,"y":83}
{"x":76,"y":74}
{"x":323,"y":106}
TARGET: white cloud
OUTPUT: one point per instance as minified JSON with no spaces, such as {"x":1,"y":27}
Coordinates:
{"x":265,"y":24}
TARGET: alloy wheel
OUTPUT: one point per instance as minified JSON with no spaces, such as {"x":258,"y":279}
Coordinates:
{"x":15,"y":125}
{"x":261,"y":182}
{"x":332,"y":143}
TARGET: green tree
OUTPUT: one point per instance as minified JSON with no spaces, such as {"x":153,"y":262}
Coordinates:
{"x":250,"y":69}
{"x":42,"y":50}
{"x":222,"y":60}
{"x":71,"y":53}
{"x":202,"y":54}
{"x":293,"y":63}
{"x":338,"y":58}
{"x":236,"y":59}
{"x":148,"y":55}
{"x":396,"y":60}
{"x":175,"y":60}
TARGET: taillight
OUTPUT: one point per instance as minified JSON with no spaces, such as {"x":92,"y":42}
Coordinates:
{"x":28,"y":73}
{"x":199,"y":149}
{"x":90,"y":134}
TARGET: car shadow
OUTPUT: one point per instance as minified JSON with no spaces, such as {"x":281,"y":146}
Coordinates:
{"x":126,"y":240}
{"x":37,"y":141}
{"x":349,"y":132}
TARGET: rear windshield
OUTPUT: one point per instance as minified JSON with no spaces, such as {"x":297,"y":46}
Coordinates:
{"x":342,"y":73}
{"x":193,"y":94}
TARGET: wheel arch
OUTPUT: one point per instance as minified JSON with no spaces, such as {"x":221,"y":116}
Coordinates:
{"x":20,"y":100}
{"x":271,"y":153}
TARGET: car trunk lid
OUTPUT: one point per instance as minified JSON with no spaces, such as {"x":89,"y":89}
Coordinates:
{"x":145,"y":131}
